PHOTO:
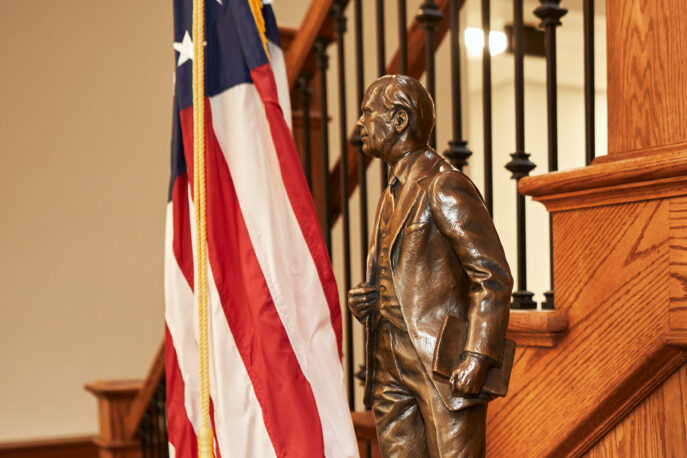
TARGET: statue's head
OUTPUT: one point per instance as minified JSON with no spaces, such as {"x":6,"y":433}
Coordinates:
{"x":395,"y":108}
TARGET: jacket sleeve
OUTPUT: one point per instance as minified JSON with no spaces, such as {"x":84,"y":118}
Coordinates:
{"x":460,"y":215}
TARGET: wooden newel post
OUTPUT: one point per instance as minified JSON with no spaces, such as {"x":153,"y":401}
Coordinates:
{"x":114,"y":402}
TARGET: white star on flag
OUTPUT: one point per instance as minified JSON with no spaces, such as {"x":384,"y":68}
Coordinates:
{"x":185,"y":49}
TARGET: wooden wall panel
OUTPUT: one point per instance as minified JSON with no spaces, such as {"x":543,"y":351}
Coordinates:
{"x":611,"y":267}
{"x":678,"y":264}
{"x":657,"y":427}
{"x":647,"y":75}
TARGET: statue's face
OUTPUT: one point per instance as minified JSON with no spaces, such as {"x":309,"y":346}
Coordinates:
{"x":376,"y":130}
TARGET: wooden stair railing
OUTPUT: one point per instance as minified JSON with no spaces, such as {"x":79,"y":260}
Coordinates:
{"x":314,"y":23}
{"x":617,"y":384}
{"x":121,"y":408}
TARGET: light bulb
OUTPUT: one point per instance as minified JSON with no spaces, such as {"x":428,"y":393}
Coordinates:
{"x":474,"y":42}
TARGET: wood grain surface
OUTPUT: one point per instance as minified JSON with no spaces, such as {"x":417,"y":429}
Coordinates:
{"x":647,"y":75}
{"x":72,"y":447}
{"x":537,"y":328}
{"x":611,"y":266}
{"x":607,"y":174}
{"x":656,"y":428}
{"x":678,"y":264}
{"x":115,"y":399}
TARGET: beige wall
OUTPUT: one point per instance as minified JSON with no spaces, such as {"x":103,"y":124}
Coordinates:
{"x":86,"y":92}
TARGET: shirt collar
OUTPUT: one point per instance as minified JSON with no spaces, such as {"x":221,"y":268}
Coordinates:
{"x":402,"y":168}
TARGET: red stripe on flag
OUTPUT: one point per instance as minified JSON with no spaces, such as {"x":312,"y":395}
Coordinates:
{"x":285,"y":396}
{"x":297,"y":190}
{"x":179,"y":429}
{"x":183,"y":251}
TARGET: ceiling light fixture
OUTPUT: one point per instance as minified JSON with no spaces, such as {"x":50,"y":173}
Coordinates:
{"x":474,"y":42}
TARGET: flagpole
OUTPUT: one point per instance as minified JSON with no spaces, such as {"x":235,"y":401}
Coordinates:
{"x":205,"y":435}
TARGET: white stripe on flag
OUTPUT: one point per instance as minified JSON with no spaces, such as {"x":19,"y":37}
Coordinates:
{"x":240,"y":427}
{"x":279,"y":69}
{"x":179,"y":316}
{"x":284,"y":257}
{"x":239,"y":423}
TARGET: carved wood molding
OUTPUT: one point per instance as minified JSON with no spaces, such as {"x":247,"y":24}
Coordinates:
{"x":115,"y":399}
{"x":621,"y":402}
{"x":640,"y":178}
{"x":537,"y":328}
{"x":677,"y":339}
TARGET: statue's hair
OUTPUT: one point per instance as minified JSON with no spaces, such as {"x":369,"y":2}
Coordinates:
{"x":400,"y":91}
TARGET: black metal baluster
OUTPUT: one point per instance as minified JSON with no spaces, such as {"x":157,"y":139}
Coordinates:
{"x":358,"y":144}
{"x":590,"y":150}
{"x":155,"y":419}
{"x":520,"y":165}
{"x":486,"y":109}
{"x":402,"y":38}
{"x":340,"y":25}
{"x":457,"y":152}
{"x":381,"y":68}
{"x":144,"y":433}
{"x":322,"y":63}
{"x":163,"y":400}
{"x":356,"y":141}
{"x":428,"y":16}
{"x":305,"y":92}
{"x":161,"y":425}
{"x":550,"y":13}
{"x":381,"y":42}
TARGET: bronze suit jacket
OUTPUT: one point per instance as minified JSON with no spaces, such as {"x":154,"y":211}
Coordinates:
{"x":446,"y":258}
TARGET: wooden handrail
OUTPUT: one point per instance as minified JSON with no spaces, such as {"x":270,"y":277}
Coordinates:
{"x":142,"y":399}
{"x":416,"y":61}
{"x":301,"y":46}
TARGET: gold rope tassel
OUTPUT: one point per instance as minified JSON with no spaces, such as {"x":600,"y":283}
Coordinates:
{"x":256,"y":9}
{"x":205,"y":436}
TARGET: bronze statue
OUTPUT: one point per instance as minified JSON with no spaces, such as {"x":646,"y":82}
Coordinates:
{"x":435,"y":302}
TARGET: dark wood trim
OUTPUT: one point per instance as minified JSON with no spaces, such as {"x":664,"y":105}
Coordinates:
{"x":622,"y":401}
{"x":71,"y":447}
{"x":537,"y":328}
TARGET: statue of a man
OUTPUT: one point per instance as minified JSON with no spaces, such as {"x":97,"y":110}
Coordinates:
{"x":434,"y":254}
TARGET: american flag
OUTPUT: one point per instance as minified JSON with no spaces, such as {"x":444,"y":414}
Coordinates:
{"x":276,"y":379}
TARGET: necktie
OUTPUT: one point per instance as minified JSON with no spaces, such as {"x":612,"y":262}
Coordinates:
{"x":389,"y":199}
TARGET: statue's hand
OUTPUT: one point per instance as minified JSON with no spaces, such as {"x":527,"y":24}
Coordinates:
{"x":361,"y":300}
{"x":469,"y":377}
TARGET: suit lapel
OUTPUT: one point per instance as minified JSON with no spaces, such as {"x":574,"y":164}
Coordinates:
{"x":410,"y":192}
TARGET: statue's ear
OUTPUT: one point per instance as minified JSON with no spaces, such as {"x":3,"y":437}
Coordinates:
{"x":400,"y":120}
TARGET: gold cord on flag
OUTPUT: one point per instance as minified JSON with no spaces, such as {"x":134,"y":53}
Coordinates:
{"x":256,"y":9}
{"x":205,"y":439}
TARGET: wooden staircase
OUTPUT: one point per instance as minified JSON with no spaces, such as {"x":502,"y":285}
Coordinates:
{"x":604,"y":374}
